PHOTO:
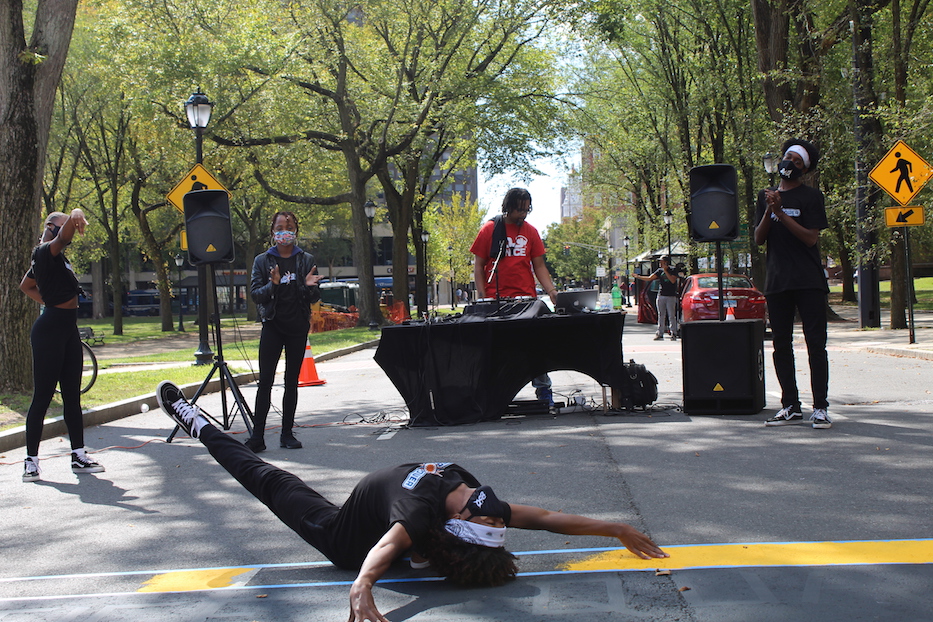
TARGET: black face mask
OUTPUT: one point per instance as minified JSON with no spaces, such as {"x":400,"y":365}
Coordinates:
{"x":484,"y":502}
{"x":789,"y":170}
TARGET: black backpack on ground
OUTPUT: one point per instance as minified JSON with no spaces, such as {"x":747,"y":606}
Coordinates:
{"x":639,"y":386}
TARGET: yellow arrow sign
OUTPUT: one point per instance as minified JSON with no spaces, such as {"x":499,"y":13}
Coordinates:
{"x":907,"y":216}
{"x":198,"y":178}
{"x":901,"y":173}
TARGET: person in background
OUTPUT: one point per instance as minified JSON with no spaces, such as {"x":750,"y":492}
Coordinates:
{"x":667,"y":297}
{"x":509,"y":254}
{"x":283,"y":284}
{"x":56,"y":347}
{"x":790,"y":218}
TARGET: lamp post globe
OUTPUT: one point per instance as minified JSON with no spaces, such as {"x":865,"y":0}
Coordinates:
{"x":668,"y":219}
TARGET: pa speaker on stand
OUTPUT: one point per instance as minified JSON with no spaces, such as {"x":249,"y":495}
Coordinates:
{"x":210,"y":241}
{"x":207,"y":222}
{"x":714,"y":206}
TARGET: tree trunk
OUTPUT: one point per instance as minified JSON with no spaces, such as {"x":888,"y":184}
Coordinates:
{"x":898,"y":281}
{"x":29,"y":76}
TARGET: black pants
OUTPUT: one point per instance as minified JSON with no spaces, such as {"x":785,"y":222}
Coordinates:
{"x":56,"y":360}
{"x":811,"y":304}
{"x":296,"y":504}
{"x":271,"y":343}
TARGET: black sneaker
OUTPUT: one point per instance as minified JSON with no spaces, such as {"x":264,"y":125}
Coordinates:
{"x":788,"y":415}
{"x":820,"y":419}
{"x":31,"y":471}
{"x":173,"y":402}
{"x":85,"y":464}
{"x":256,"y":444}
{"x":289,"y":441}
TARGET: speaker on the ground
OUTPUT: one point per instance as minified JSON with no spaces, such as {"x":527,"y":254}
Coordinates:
{"x":207,"y":221}
{"x":724,"y":367}
{"x":714,"y":205}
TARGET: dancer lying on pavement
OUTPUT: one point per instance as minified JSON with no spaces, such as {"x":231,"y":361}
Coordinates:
{"x":437,"y":512}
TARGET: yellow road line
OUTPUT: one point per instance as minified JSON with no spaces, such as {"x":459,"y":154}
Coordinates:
{"x":766,"y":554}
{"x":189,"y":580}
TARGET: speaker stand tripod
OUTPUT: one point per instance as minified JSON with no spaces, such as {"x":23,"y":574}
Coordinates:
{"x":226,"y":378}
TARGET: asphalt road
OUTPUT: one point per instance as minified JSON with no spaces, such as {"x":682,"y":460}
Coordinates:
{"x":714,"y":490}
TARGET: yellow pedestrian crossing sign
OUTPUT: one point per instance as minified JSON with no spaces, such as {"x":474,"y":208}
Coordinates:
{"x":906,"y":216}
{"x":901,"y":173}
{"x":198,"y":178}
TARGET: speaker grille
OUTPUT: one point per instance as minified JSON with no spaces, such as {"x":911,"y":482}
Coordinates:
{"x":207,"y":221}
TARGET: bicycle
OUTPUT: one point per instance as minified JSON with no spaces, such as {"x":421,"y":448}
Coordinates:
{"x":88,"y":368}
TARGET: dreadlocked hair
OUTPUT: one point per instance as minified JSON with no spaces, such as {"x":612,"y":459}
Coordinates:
{"x":469,"y":565}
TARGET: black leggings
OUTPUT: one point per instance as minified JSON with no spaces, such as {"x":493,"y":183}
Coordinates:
{"x":56,"y":360}
{"x":296,"y":504}
{"x":271,"y":342}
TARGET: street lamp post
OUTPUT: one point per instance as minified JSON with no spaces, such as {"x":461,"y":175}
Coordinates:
{"x":625,"y":242}
{"x":668,"y":219}
{"x":425,"y":236}
{"x":450,"y":256}
{"x":180,"y":261}
{"x":770,"y":162}
{"x":369,"y":208}
{"x":198,"y":109}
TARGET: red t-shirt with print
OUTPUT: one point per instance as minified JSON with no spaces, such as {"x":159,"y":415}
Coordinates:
{"x":516,"y":277}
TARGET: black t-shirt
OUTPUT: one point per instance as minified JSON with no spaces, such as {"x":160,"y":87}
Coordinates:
{"x":791,"y":263}
{"x":53,"y":275}
{"x":411,"y":494}
{"x":290,"y":318}
{"x":668,"y":288}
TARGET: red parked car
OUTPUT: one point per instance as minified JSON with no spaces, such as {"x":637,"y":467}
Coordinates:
{"x":700,"y":298}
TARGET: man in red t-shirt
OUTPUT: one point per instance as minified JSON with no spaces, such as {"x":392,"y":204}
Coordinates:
{"x":520,"y":251}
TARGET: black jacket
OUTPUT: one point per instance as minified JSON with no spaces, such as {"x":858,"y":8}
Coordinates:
{"x":262,"y":289}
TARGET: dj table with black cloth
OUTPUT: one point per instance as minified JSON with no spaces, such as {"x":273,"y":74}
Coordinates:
{"x":452,"y":372}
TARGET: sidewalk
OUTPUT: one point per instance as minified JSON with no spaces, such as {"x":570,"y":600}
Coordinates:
{"x":848,"y":335}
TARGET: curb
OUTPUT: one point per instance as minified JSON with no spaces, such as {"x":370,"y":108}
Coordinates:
{"x":926,"y":355}
{"x":16,"y":437}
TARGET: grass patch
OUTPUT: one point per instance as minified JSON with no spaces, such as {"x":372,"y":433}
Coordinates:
{"x":923,"y":288}
{"x":132,"y":384}
{"x":143,"y":328}
{"x":116,"y":385}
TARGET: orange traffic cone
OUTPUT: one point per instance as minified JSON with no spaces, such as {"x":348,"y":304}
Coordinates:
{"x":730,"y":315}
{"x":307,"y":377}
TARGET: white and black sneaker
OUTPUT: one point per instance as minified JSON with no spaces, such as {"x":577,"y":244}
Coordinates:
{"x":185,"y":414}
{"x":31,"y":471}
{"x":788,"y":415}
{"x":85,"y":464}
{"x":820,"y":419}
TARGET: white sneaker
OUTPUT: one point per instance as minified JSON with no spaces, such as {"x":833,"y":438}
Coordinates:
{"x":820,"y":419}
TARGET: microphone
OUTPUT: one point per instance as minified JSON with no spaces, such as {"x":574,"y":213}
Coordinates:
{"x":495,"y":264}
